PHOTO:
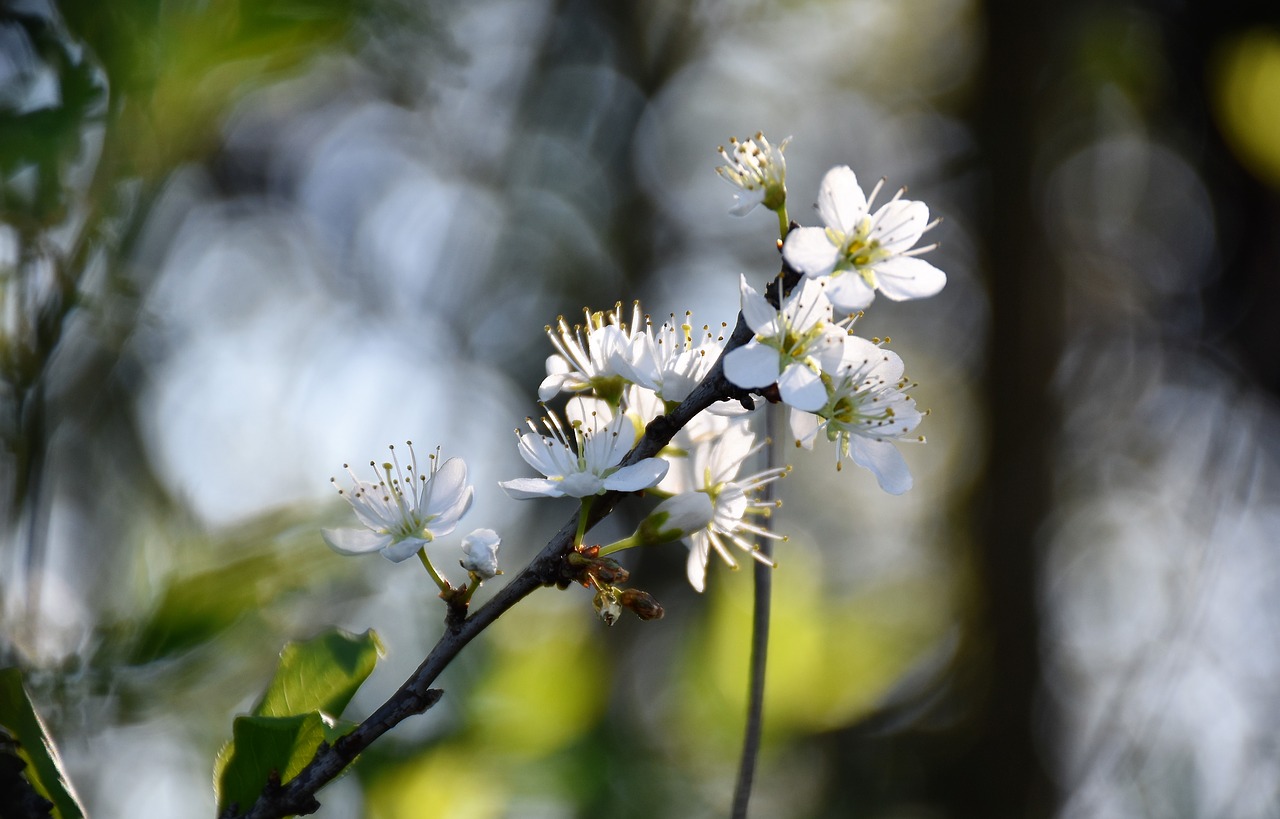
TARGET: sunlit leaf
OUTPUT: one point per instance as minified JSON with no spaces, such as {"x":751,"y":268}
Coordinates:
{"x":320,"y":674}
{"x":315,"y":678}
{"x":265,"y":747}
{"x":44,"y":767}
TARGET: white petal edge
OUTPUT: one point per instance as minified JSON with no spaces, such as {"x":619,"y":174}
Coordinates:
{"x":752,"y":365}
{"x":403,"y":550}
{"x":804,"y":427}
{"x":638,"y":476}
{"x":885,"y":462}
{"x":802,"y":388}
{"x":810,"y":252}
{"x":848,"y":293}
{"x":841,"y":202}
{"x":530,"y":488}
{"x":354,"y":541}
{"x":760,"y":315}
{"x":906,"y":277}
{"x":699,"y":555}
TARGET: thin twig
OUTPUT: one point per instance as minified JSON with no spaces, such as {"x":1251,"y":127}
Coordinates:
{"x":762,"y":607}
{"x":548,"y":567}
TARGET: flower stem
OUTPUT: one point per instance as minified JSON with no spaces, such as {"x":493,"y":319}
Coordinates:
{"x":583,"y":514}
{"x":618,"y":546}
{"x":431,"y":570}
{"x":784,"y":224}
{"x":470,"y":588}
{"x":762,"y":574}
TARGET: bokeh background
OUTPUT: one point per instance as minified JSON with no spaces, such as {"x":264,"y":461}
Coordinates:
{"x":245,"y":242}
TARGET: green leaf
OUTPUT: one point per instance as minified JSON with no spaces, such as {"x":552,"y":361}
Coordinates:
{"x":315,"y":678}
{"x":262,"y":747}
{"x":320,"y":674}
{"x":44,"y":768}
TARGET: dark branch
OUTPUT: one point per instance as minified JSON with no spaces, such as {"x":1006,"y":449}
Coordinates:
{"x":548,"y":568}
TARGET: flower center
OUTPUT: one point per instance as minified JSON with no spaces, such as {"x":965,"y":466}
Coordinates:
{"x":858,"y":252}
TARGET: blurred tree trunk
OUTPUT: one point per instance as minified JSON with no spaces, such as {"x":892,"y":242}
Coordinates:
{"x":1001,"y":773}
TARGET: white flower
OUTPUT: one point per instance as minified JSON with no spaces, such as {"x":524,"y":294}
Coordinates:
{"x":866,"y":414}
{"x":587,"y":357}
{"x":792,"y":346}
{"x":403,"y":510}
{"x":670,"y":361}
{"x":587,"y":466}
{"x":861,"y":251}
{"x":711,"y":469}
{"x":674,"y":518}
{"x":758,"y":169}
{"x":481,"y":550}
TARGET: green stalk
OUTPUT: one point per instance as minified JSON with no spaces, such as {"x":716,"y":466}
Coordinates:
{"x":431,"y":570}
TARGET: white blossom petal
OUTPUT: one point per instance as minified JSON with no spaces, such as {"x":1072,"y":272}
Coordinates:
{"x":752,"y":365}
{"x":637,"y":476}
{"x":696,"y":565}
{"x":404,"y":549}
{"x":809,"y":251}
{"x":849,"y":293}
{"x":885,"y":462}
{"x":760,"y":315}
{"x":841,"y":202}
{"x":899,"y":224}
{"x":802,"y":388}
{"x":582,"y":484}
{"x":907,"y":277}
{"x":529,"y":488}
{"x":804,"y":427}
{"x":354,"y":541}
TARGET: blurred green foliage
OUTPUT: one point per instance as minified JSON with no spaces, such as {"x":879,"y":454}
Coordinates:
{"x":35,"y":746}
{"x":176,"y":68}
{"x":312,"y":685}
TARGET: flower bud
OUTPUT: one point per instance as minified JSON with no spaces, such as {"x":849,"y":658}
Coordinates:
{"x":674,"y":518}
{"x":481,"y":553}
{"x":641,"y":603}
{"x":609,"y":571}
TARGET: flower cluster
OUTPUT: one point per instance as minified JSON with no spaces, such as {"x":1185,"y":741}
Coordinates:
{"x":620,"y":372}
{"x":622,"y":377}
{"x":833,"y":380}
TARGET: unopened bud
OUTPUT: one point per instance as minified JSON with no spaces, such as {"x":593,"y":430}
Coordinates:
{"x":480,"y":550}
{"x":641,"y":603}
{"x":674,"y":518}
{"x":609,"y":571}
